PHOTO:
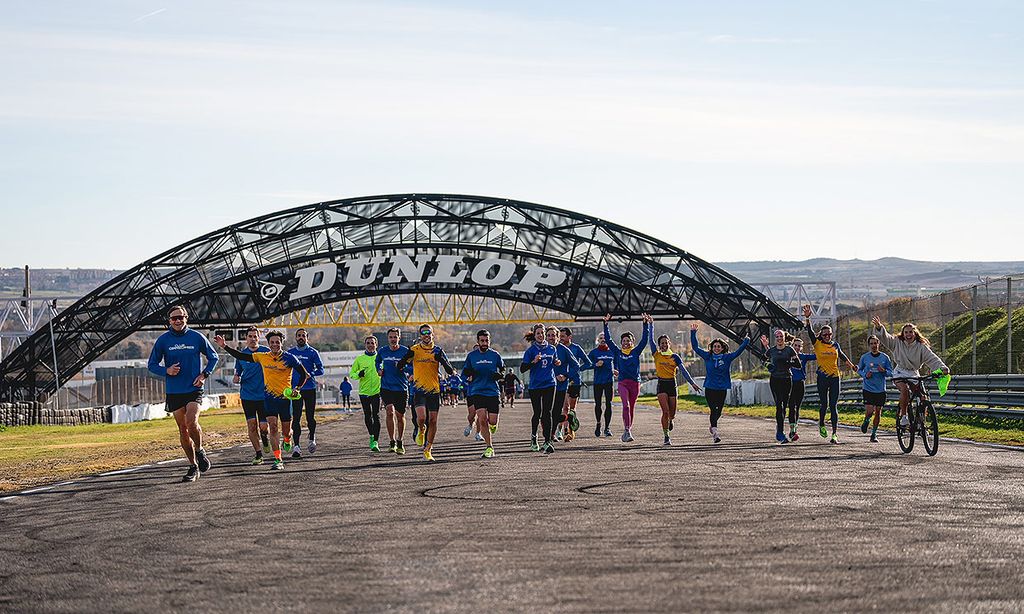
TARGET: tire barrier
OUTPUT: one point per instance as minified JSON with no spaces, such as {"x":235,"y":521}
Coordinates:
{"x":28,"y":413}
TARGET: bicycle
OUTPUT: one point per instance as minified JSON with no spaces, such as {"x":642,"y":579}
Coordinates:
{"x":921,"y":415}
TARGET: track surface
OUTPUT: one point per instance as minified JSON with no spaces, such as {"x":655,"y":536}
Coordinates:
{"x":600,"y":526}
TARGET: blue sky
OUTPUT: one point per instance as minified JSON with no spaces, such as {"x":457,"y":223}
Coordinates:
{"x":734,"y":130}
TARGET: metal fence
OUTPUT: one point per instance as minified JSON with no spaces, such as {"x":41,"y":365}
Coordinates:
{"x":120,"y":390}
{"x":971,"y":328}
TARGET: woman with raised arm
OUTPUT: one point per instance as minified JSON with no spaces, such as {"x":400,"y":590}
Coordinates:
{"x":717,"y":362}
{"x":911,"y":352}
{"x":666,"y":364}
{"x":781,"y":358}
{"x":796,"y":395}
{"x":828,"y":354}
{"x":627,"y":358}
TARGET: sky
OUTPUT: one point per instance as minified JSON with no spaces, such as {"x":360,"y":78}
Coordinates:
{"x":734,"y":130}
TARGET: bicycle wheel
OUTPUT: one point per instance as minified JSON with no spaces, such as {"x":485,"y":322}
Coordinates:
{"x":905,"y":434}
{"x":929,"y":428}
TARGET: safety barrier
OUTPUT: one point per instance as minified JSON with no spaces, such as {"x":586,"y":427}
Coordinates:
{"x":992,"y":396}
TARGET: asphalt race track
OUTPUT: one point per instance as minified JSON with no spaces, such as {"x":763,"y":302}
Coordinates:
{"x":599,"y":526}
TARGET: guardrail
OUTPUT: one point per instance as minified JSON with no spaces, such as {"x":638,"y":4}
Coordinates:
{"x":992,"y":396}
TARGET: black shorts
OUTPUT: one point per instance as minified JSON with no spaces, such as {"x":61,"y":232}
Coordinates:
{"x":279,"y":407}
{"x":876,"y":399}
{"x":398,"y":398}
{"x":574,"y":391}
{"x":430,"y":400}
{"x":174,"y":402}
{"x":667,"y":386}
{"x":254,"y":410}
{"x":479,"y":401}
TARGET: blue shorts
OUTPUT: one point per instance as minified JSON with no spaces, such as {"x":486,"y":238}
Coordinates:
{"x":278,"y":406}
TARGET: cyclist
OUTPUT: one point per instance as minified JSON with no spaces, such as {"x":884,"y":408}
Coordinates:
{"x":911,"y":352}
{"x":874,"y":367}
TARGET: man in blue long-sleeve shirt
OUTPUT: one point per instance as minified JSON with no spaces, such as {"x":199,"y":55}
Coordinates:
{"x":310,"y":359}
{"x":178,"y":356}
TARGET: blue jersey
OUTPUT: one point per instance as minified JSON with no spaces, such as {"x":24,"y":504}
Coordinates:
{"x":185,"y":349}
{"x":309,"y":358}
{"x":602,"y":374}
{"x":717,"y":366}
{"x":387,"y":362}
{"x":582,"y":364}
{"x":567,"y":365}
{"x":542,"y":373}
{"x":800,"y":374}
{"x":485,"y":369}
{"x":251,"y":375}
{"x":628,"y":364}
{"x":874,"y":380}
{"x":345,"y":387}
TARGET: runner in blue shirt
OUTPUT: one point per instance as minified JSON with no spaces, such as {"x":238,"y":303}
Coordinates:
{"x":345,"y":388}
{"x":310,"y":359}
{"x":483,"y":372}
{"x":252,"y":393}
{"x":178,"y":356}
{"x":567,"y":391}
{"x":603,"y":359}
{"x":874,"y":367}
{"x":796,"y":396}
{"x":539,"y":359}
{"x":394,"y":389}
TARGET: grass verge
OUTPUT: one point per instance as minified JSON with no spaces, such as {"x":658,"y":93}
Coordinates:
{"x":35,"y":455}
{"x":986,"y":430}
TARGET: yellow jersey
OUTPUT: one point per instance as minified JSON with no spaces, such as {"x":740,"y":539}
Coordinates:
{"x":277,"y":371}
{"x":665,"y":365}
{"x":426,"y":362}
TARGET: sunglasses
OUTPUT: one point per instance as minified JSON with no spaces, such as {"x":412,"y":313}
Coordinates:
{"x":177,"y":318}
{"x":426,"y":331}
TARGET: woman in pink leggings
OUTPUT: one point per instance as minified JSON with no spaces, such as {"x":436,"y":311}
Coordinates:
{"x":627,"y":362}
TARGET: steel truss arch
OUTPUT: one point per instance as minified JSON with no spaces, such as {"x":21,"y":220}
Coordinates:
{"x":252,"y":271}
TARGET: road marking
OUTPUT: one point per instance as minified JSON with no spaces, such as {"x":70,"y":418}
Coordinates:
{"x":120,"y":471}
{"x":173,"y":460}
{"x":35,"y":490}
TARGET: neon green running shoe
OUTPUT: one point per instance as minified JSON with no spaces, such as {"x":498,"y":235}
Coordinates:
{"x":399,"y":448}
{"x":493,"y":428}
{"x":533,"y":446}
{"x":267,"y":451}
{"x":823,"y":431}
{"x":392,"y":447}
{"x":488,"y":452}
{"x":420,"y":437}
{"x":835,"y":438}
{"x":257,"y":460}
{"x":373,"y":445}
{"x":286,"y":446}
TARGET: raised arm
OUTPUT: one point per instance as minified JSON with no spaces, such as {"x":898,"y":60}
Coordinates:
{"x":739,"y":350}
{"x":608,"y":338}
{"x":883,"y":335}
{"x":648,"y":336}
{"x":706,"y":355}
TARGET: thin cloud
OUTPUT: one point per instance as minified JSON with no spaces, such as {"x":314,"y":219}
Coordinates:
{"x":148,"y":15}
{"x":730,"y":39}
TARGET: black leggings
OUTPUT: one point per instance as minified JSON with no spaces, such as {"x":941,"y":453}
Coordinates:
{"x":796,"y":397}
{"x":371,"y":414}
{"x":781,"y":388}
{"x":309,"y":400}
{"x":606,"y":391}
{"x":716,"y":401}
{"x":543,"y":400}
{"x":557,"y":405}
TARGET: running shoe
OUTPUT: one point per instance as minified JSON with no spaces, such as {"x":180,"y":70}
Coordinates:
{"x":904,"y":420}
{"x":392,"y":447}
{"x":479,"y":437}
{"x":668,"y":440}
{"x":781,"y":437}
{"x":257,"y":459}
{"x":468,"y":430}
{"x":493,"y":428}
{"x":191,"y":475}
{"x":570,"y":435}
{"x":488,"y":452}
{"x":533,"y":445}
{"x":286,"y":446}
{"x":266,"y":449}
{"x":714,"y":434}
{"x":296,"y":452}
{"x":823,"y":431}
{"x":629,"y":436}
{"x":312,"y":446}
{"x":201,"y":461}
{"x":607,"y":432}
{"x":874,"y":438}
{"x":419,"y":438}
{"x":548,"y":448}
{"x":427,"y":455}
{"x":793,"y":436}
{"x":400,"y":448}
{"x":374,"y":446}
{"x":278,"y":464}
{"x":597,"y":431}
{"x":558,"y":434}
{"x":624,"y":437}
{"x":835,"y":438}
{"x":864,"y":425}
{"x":574,"y":422}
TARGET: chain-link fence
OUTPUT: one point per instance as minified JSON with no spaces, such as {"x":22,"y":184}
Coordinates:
{"x":975,"y":329}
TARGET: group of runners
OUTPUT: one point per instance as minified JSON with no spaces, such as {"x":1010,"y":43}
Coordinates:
{"x":276,"y":385}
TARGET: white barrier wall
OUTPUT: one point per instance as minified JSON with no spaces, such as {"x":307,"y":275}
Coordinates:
{"x":121,"y":414}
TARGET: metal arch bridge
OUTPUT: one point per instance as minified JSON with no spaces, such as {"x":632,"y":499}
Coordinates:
{"x":394,"y":245}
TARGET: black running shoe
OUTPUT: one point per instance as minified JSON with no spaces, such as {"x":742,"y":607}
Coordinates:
{"x":202,"y":461}
{"x":191,"y":475}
